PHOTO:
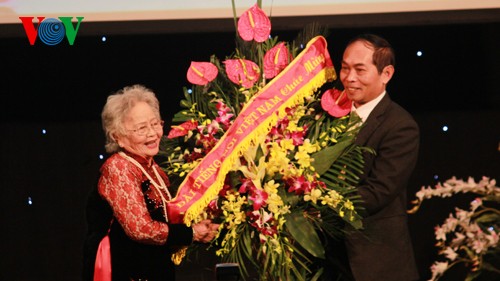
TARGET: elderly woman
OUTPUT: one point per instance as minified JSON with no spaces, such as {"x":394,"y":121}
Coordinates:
{"x":137,"y":190}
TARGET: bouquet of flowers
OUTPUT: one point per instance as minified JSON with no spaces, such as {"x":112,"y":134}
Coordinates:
{"x":260,"y":149}
{"x":467,"y":237}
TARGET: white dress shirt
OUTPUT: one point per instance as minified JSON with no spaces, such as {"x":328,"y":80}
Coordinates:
{"x":364,"y":110}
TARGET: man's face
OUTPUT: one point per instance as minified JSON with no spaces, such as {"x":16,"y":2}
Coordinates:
{"x":361,"y":80}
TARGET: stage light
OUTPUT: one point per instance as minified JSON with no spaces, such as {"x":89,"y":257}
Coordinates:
{"x":190,"y":91}
{"x":445,"y":128}
{"x":101,"y":156}
{"x":44,"y":132}
{"x":419,"y":53}
{"x":30,"y":202}
{"x":103,"y":39}
{"x":436,"y":177}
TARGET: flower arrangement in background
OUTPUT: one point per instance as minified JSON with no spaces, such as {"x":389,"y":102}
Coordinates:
{"x":292,"y":185}
{"x":468,"y":237}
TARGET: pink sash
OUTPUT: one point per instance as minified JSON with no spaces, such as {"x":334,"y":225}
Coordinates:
{"x":102,"y":268}
{"x":307,"y":72}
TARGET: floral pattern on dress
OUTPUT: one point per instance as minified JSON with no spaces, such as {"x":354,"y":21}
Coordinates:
{"x":120,"y":184}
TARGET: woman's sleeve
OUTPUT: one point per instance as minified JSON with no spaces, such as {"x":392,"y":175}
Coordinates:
{"x":179,"y":234}
{"x":120,"y":185}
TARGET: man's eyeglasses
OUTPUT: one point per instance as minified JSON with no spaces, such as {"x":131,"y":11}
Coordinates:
{"x":156,"y":125}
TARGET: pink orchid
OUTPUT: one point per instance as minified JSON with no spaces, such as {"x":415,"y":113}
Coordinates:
{"x":201,"y":73}
{"x":269,"y":231}
{"x":206,"y":137}
{"x":191,"y":157}
{"x":336,"y":103}
{"x":212,"y":128}
{"x":213,"y":209}
{"x":182,"y":129}
{"x":258,"y":198}
{"x":246,"y":185}
{"x":278,"y":131}
{"x":222,"y":108}
{"x":225,"y":120}
{"x":299,"y":185}
{"x":275,"y":60}
{"x":226,"y":187}
{"x":254,"y":24}
{"x":264,"y":222}
{"x":208,"y":142}
{"x":224,"y":115}
{"x":242,"y":72}
{"x":297,"y":137}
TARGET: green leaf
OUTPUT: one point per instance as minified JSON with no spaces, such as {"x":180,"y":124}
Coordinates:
{"x":357,"y":222}
{"x":186,"y":104}
{"x":487,"y":218}
{"x":323,"y":159}
{"x":304,"y":233}
{"x":259,"y":153}
{"x":182,"y":116}
{"x":489,"y":267}
{"x":472,"y":275}
{"x":317,"y":275}
{"x":288,"y":198}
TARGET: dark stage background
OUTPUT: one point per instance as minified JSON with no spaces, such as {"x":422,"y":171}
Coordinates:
{"x":51,"y":140}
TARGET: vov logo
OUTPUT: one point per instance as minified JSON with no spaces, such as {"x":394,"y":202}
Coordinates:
{"x":51,"y":31}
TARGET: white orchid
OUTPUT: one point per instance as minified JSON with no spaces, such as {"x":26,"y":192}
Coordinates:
{"x":467,"y":236}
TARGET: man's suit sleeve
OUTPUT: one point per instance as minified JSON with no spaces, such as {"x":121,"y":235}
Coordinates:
{"x":396,"y":143}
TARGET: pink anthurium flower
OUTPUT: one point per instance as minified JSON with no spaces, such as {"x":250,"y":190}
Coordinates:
{"x":182,"y":129}
{"x":242,"y":72}
{"x":275,"y":60}
{"x":201,"y":73}
{"x":336,"y":103}
{"x":254,"y":24}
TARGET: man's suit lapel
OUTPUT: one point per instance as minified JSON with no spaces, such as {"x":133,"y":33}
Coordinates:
{"x":374,"y":120}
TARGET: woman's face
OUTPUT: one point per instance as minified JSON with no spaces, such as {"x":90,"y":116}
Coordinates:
{"x":143,"y":131}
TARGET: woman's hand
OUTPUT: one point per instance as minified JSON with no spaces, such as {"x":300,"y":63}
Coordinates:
{"x":205,"y":231}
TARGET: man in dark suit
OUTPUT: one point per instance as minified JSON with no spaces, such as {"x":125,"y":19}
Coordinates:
{"x":383,"y":250}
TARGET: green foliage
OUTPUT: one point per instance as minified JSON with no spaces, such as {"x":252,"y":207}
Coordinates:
{"x":304,"y":233}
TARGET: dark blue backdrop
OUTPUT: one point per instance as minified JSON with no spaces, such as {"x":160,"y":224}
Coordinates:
{"x":62,"y":89}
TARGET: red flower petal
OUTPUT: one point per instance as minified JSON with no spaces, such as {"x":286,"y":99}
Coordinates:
{"x":258,"y":198}
{"x":200,"y":73}
{"x":275,"y":60}
{"x":182,"y":129}
{"x":336,"y":103}
{"x":254,"y":24}
{"x":242,"y":72}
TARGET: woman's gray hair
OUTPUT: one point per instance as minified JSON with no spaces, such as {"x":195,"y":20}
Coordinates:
{"x":117,"y":107}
